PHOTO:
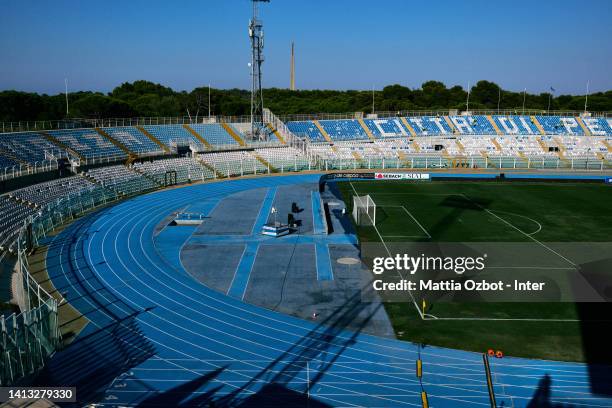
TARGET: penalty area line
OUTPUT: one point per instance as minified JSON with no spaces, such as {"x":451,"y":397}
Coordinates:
{"x":416,"y":306}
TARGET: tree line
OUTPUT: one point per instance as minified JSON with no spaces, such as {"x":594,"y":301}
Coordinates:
{"x":144,"y":98}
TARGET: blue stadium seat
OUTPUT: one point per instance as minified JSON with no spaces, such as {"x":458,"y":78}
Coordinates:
{"x":306,"y":129}
{"x":346,"y":129}
{"x":88,"y":142}
{"x":556,"y":125}
{"x":386,"y":127}
{"x":429,"y":125}
{"x":215,"y":134}
{"x":30,"y":147}
{"x":7,"y":162}
{"x":515,"y":125}
{"x":599,"y":126}
{"x":172,"y":135}
{"x":473,"y":125}
{"x":134,"y":140}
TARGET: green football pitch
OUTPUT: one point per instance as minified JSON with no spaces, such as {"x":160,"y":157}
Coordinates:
{"x":561,"y":220}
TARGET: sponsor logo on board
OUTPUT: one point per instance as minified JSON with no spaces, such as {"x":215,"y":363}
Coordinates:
{"x":401,"y":176}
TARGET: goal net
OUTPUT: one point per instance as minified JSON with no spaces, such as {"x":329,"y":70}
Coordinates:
{"x":364,"y":210}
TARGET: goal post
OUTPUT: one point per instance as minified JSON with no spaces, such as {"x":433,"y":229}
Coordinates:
{"x":364,"y":210}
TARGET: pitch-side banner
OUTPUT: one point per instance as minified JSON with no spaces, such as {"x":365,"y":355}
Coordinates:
{"x":401,"y":176}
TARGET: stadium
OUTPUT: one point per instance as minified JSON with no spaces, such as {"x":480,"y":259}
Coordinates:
{"x":449,"y":257}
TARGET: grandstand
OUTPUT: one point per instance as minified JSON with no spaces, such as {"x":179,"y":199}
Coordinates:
{"x":509,"y":136}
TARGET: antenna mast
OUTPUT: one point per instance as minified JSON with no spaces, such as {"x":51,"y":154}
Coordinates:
{"x":257,"y":44}
{"x":292,"y":79}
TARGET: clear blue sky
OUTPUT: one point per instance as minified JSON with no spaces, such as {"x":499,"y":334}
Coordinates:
{"x":340,"y":44}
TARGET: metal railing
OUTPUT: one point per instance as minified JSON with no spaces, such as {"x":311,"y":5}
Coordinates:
{"x":24,"y":170}
{"x":84,"y":123}
{"x":440,"y":113}
{"x":77,"y":123}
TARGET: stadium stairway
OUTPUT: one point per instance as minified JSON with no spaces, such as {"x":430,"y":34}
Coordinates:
{"x":562,"y":149}
{"x":61,"y":145}
{"x":131,"y":155}
{"x":276,"y":133}
{"x":460,"y":146}
{"x":366,"y":129}
{"x":145,"y":175}
{"x":450,"y":123}
{"x":497,"y":145}
{"x":197,"y":136}
{"x":523,"y":157}
{"x":492,"y":122}
{"x":585,"y":129}
{"x":14,"y":158}
{"x":153,"y":138}
{"x":233,"y":134}
{"x":608,"y":145}
{"x":408,"y":126}
{"x":358,"y":157}
{"x":537,"y":124}
{"x":416,"y":146}
{"x":490,"y":162}
{"x":216,"y":172}
{"x":543,"y":145}
{"x":402,"y":156}
{"x":270,"y":167}
{"x":323,"y":131}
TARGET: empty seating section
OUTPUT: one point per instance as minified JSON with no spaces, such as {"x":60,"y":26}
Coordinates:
{"x":121,"y":179}
{"x":394,"y":147}
{"x":7,"y":162}
{"x":576,"y":146}
{"x":42,"y":194}
{"x":214,"y":133}
{"x":478,"y":125}
{"x":348,"y":129}
{"x":173,"y":135}
{"x":30,"y":147}
{"x":516,"y":125}
{"x":555,"y":125}
{"x":521,"y":145}
{"x":234,"y":163}
{"x":186,"y":169}
{"x":474,"y":146}
{"x":12,"y":216}
{"x":134,"y":140}
{"x":306,"y":129}
{"x":386,"y":127}
{"x":284,"y":158}
{"x":429,"y":125}
{"x":599,"y":126}
{"x":88,"y":143}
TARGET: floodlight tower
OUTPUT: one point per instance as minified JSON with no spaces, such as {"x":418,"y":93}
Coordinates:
{"x":256,"y":35}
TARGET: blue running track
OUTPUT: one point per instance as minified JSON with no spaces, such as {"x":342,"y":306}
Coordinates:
{"x":157,"y":337}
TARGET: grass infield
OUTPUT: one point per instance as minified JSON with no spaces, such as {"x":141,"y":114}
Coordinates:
{"x":493,"y":211}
